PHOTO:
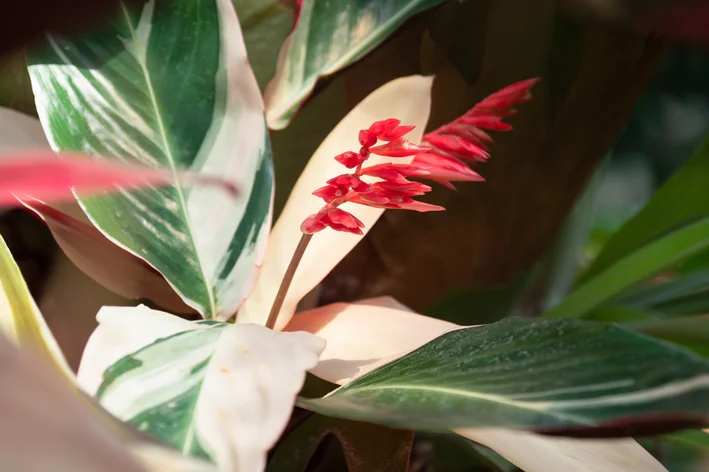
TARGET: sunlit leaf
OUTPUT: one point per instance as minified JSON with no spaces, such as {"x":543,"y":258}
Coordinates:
{"x":361,"y":335}
{"x":212,"y":390}
{"x":538,"y":453}
{"x":168,"y":85}
{"x":539,"y":375}
{"x":328,"y":36}
{"x":20,"y":318}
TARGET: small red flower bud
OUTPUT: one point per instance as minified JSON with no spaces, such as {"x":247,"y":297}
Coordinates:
{"x":349,"y":159}
{"x":313,"y":224}
{"x":398,"y":148}
{"x":349,"y":181}
{"x":367,"y":138}
{"x":395,"y":133}
{"x":337,"y":219}
{"x":379,"y":128}
{"x":331,"y":192}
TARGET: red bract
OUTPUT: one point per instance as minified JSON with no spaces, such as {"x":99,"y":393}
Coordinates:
{"x":399,"y":147}
{"x":442,"y":158}
{"x":464,"y":140}
{"x":396,"y":173}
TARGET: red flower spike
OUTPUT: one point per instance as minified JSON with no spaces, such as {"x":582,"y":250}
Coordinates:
{"x":349,"y":159}
{"x":398,"y":148}
{"x":441,"y":158}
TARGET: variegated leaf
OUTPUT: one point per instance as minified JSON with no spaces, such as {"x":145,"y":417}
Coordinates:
{"x":562,"y":376}
{"x":212,"y":390}
{"x":169,"y":85}
{"x":328,"y":36}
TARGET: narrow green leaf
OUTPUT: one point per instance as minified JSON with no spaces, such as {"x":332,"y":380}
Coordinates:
{"x":169,"y":85}
{"x":659,"y":294}
{"x":201,"y":391}
{"x":20,"y":318}
{"x":684,"y":198}
{"x":329,"y":36}
{"x":531,"y":374}
{"x":634,"y":268}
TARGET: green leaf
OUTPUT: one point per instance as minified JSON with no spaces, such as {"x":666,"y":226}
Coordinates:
{"x":683,"y":199}
{"x":266,"y":25}
{"x":634,"y":268}
{"x":531,"y":374}
{"x":20,"y":318}
{"x":215,"y":390}
{"x":389,"y":453}
{"x":169,"y":86}
{"x":661,"y":294}
{"x":329,"y":36}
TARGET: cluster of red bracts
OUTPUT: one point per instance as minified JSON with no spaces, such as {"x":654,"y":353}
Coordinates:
{"x":444,"y":158}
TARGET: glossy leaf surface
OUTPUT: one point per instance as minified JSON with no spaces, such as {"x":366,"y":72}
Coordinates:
{"x":329,"y":36}
{"x":168,"y":85}
{"x":531,"y":374}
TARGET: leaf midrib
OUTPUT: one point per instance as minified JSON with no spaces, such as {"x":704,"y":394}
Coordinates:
{"x":171,"y":161}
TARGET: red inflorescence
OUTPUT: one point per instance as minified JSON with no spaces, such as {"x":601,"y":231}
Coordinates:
{"x":394,"y":191}
{"x":442,"y":157}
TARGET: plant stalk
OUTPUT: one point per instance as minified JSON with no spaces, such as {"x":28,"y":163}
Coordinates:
{"x":287,"y":279}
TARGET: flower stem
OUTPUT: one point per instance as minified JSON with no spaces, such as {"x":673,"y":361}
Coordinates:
{"x":287,"y":279}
